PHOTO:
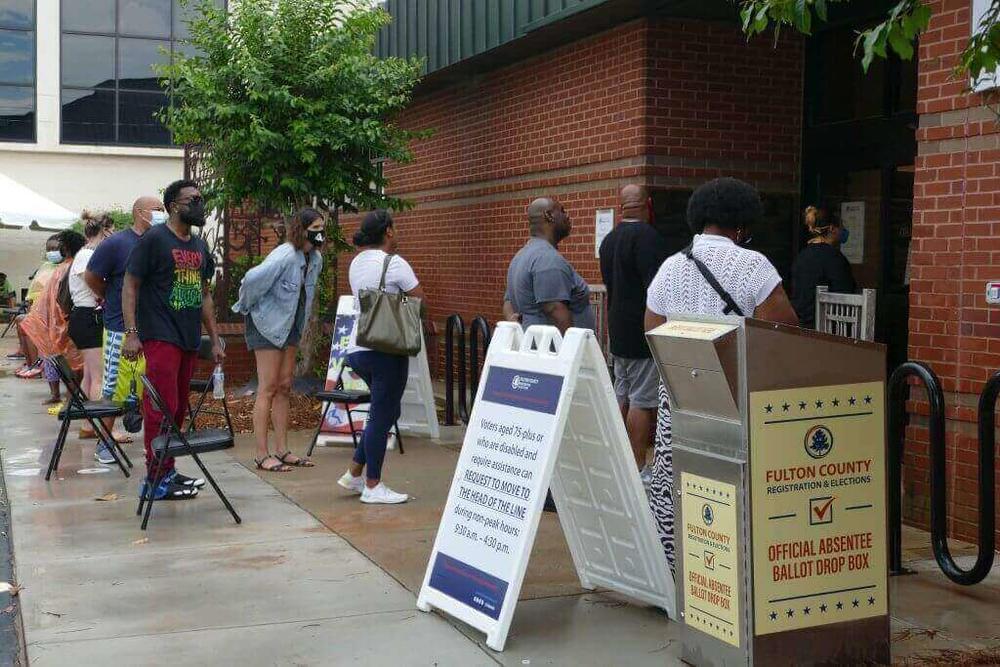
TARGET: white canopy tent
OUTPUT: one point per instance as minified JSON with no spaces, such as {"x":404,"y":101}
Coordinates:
{"x":23,"y":207}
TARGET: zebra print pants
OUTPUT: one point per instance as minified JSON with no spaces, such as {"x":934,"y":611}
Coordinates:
{"x":661,"y":492}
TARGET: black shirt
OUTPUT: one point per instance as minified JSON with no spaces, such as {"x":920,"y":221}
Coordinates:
{"x":169,"y":301}
{"x":630,"y":257}
{"x":818,"y":264}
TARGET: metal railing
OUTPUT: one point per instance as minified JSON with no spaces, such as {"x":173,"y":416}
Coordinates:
{"x":478,"y":334}
{"x":454,"y":327}
{"x":939,"y":509}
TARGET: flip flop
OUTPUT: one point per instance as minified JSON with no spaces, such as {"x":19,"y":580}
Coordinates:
{"x":300,"y":463}
{"x":29,"y":374}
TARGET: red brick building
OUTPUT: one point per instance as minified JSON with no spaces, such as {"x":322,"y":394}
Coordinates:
{"x":575,"y":99}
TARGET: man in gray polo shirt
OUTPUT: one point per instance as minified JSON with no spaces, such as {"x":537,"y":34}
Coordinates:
{"x":542,"y":287}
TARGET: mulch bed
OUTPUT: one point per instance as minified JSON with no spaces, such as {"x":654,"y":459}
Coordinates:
{"x":303,"y":412}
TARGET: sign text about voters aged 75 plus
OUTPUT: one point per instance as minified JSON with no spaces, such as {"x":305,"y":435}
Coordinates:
{"x":499,"y":477}
{"x":818,"y":487}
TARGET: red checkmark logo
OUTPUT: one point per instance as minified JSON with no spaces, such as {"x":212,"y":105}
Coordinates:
{"x":709,"y":560}
{"x":821,"y":510}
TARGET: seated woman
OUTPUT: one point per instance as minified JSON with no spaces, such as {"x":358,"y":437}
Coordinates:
{"x":721,"y":214}
{"x":819,"y":263}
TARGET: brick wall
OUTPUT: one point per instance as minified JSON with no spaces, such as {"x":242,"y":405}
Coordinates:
{"x":662,"y":102}
{"x":955,"y":250}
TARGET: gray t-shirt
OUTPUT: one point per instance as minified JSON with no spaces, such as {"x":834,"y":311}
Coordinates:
{"x":538,"y":274}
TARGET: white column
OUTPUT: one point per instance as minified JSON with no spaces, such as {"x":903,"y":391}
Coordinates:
{"x":47,"y":54}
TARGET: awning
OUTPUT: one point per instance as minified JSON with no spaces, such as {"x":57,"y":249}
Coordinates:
{"x":23,"y":207}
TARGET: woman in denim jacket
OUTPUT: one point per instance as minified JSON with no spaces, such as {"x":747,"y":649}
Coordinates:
{"x":276,"y":297}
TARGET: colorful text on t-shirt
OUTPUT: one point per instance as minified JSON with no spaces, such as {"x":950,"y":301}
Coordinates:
{"x":186,"y":290}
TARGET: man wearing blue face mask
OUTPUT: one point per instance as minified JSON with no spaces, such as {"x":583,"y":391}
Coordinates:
{"x":105,"y":275}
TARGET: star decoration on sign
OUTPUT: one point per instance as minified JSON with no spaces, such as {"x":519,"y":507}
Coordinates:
{"x":790,"y":613}
{"x":855,"y":603}
{"x":785,"y":407}
{"x":822,"y":608}
{"x":819,"y":404}
{"x":836,"y":402}
{"x":868,"y":400}
{"x":871,"y":601}
{"x":806,"y":611}
{"x":852,"y":400}
{"x":768,"y":408}
{"x":840,"y":605}
{"x":802,"y":405}
{"x":774,"y":615}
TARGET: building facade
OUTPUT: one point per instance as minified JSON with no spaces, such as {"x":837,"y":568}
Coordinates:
{"x":576,"y":99}
{"x":77,"y":98}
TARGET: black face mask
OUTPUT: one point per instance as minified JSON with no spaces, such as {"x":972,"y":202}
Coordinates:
{"x":194,"y":214}
{"x":316,"y":238}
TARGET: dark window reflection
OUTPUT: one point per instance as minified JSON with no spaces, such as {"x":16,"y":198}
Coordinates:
{"x":17,"y":14}
{"x":88,"y":116}
{"x":17,"y":56}
{"x":183,"y":14}
{"x":89,"y":15}
{"x":136,"y":122}
{"x":17,"y":113}
{"x":135,"y":62}
{"x":146,"y":18}
{"x":88,"y":61}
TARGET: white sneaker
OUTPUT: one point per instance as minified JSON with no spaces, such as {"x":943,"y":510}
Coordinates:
{"x":383,"y":495}
{"x":352,"y":483}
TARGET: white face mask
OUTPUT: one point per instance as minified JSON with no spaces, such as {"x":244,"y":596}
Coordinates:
{"x":158,"y":217}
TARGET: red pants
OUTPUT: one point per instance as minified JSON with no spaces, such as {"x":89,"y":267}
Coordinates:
{"x":169,"y":368}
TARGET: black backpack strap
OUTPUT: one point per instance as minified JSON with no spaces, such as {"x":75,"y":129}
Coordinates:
{"x":731,"y":305}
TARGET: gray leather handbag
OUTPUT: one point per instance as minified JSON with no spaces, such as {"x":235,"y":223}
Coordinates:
{"x":388,"y":322}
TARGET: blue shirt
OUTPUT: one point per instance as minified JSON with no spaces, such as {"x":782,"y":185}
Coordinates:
{"x":108,"y":262}
{"x":270,"y":291}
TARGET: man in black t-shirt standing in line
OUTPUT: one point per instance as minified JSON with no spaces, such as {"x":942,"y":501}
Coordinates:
{"x":630,"y":257}
{"x":165,"y":301}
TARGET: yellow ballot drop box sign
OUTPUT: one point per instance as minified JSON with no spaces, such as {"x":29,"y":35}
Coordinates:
{"x":711,"y":592}
{"x":819,"y":516}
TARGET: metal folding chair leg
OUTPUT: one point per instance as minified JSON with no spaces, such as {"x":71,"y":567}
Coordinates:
{"x":218,"y":491}
{"x":57,"y":448}
{"x":148,"y":490}
{"x":322,"y":420}
{"x":399,"y":437}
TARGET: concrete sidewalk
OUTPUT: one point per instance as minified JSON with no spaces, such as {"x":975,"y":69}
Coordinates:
{"x":280,"y":589}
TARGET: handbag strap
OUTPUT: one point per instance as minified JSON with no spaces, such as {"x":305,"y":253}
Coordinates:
{"x":731,"y":305}
{"x":385,"y":270}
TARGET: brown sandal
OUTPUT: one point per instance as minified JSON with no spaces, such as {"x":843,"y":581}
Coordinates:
{"x":300,"y":462}
{"x":281,"y":467}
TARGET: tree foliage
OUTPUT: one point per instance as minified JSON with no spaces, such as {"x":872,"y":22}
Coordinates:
{"x":292,"y":102}
{"x":898,"y":33}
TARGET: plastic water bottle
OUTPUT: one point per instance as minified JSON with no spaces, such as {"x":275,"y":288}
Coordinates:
{"x":218,"y":382}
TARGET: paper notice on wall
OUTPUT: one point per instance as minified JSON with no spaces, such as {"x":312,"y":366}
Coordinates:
{"x":604,"y":222}
{"x":852,"y":218}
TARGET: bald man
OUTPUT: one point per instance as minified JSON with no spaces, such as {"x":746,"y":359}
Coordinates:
{"x":105,"y":275}
{"x":630,"y":257}
{"x":542,"y":287}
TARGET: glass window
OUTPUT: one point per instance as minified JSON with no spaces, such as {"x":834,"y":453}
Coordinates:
{"x":89,"y":16}
{"x":17,"y":56}
{"x":88,"y":61}
{"x":17,"y":113}
{"x":136,"y":58}
{"x":148,"y":18}
{"x":17,"y":14}
{"x":184,"y":13}
{"x":136,"y":124}
{"x":88,"y":116}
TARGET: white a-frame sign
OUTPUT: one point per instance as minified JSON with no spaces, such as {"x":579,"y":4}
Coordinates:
{"x":545,"y":417}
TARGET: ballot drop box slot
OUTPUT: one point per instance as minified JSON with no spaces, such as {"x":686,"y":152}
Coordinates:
{"x":779,"y":492}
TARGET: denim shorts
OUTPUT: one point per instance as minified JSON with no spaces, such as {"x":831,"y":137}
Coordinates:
{"x":257,"y":341}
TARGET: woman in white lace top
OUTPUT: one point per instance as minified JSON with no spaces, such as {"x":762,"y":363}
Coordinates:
{"x":720,"y":213}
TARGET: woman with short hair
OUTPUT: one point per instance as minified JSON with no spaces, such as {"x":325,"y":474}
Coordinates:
{"x":721,"y":214}
{"x":276,"y":298}
{"x":385,"y":374}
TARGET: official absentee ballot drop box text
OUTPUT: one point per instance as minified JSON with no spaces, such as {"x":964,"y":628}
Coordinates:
{"x":779,"y":491}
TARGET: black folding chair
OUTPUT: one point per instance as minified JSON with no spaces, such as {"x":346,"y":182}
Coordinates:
{"x":206,"y":386}
{"x":347,"y":398}
{"x":174,"y":443}
{"x":13,"y":314}
{"x":78,"y":407}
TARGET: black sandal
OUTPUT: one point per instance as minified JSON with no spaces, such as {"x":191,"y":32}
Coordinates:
{"x":281,"y":467}
{"x":301,"y":463}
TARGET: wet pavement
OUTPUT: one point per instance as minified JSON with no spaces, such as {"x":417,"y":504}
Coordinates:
{"x":313,"y":577}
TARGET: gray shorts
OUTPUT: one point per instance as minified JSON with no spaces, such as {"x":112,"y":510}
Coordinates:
{"x":637,"y":382}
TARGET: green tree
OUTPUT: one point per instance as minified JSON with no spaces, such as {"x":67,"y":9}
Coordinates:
{"x":897,"y":33}
{"x":293,"y":106}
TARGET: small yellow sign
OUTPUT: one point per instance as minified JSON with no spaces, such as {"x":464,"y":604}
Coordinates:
{"x":694,"y":330}
{"x":817,"y":465}
{"x":711,"y":593}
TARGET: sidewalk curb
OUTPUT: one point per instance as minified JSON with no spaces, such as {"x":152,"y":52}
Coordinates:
{"x":12,"y":648}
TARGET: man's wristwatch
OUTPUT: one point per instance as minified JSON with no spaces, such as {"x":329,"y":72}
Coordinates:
{"x":132,"y":330}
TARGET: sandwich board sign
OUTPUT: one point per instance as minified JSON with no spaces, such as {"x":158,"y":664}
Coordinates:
{"x":545,"y":417}
{"x":419,"y":415}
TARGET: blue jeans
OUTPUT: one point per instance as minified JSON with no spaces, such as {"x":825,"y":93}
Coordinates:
{"x":385,"y":375}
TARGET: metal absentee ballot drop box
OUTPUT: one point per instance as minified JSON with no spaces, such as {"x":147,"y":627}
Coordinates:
{"x":779,"y":492}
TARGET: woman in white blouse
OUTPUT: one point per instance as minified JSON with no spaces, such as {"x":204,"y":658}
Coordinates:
{"x":720,"y":213}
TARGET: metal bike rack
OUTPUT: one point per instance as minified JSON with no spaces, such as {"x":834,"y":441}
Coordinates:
{"x":939,"y":510}
{"x":478,"y":334}
{"x":454,"y":327}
